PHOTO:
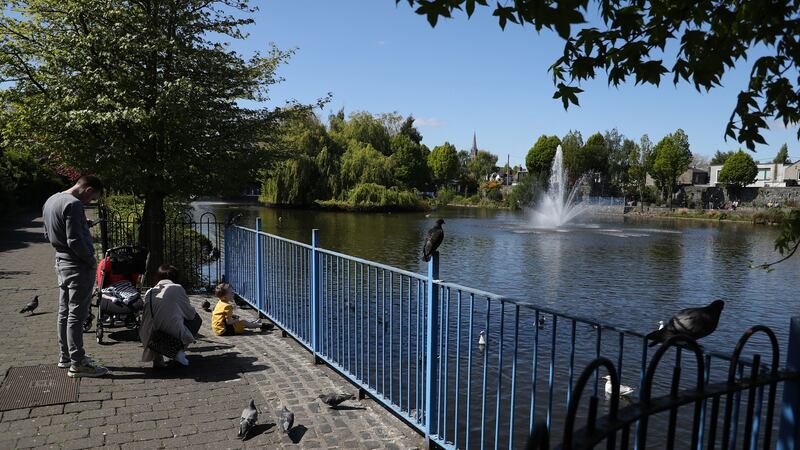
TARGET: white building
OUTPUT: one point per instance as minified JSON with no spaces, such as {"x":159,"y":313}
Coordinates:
{"x":769,"y":175}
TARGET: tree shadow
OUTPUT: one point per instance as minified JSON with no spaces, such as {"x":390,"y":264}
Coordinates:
{"x":296,"y":433}
{"x":15,"y":236}
{"x":227,"y":366}
{"x":260,"y":428}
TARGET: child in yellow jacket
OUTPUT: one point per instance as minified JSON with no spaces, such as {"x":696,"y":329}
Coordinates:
{"x":223,"y":321}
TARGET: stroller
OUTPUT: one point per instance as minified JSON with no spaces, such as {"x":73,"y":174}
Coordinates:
{"x":119,"y":278}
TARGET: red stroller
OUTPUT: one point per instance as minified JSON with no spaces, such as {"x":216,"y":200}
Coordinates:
{"x":119,"y":281}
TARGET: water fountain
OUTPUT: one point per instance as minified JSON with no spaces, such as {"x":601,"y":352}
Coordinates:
{"x":557,"y":206}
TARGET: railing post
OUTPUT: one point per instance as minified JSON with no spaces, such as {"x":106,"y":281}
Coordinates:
{"x":259,"y":262}
{"x":316,"y":278}
{"x":432,"y":346}
{"x":789,"y":431}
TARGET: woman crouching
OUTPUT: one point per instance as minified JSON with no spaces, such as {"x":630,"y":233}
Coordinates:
{"x":169,"y":321}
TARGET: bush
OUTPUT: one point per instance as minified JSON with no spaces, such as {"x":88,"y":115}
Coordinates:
{"x":445,"y":196}
{"x":376,"y":197}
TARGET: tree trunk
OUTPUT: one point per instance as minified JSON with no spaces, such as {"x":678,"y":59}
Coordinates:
{"x":151,"y":233}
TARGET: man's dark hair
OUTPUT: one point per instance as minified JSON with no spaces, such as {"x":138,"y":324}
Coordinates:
{"x":92,"y":182}
{"x":167,"y":272}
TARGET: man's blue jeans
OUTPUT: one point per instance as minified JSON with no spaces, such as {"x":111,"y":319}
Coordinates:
{"x":76,"y":283}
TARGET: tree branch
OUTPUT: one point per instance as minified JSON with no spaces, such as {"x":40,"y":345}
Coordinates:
{"x":769,"y":265}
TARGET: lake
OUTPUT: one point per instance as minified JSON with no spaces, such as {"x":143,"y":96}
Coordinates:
{"x":614,"y":270}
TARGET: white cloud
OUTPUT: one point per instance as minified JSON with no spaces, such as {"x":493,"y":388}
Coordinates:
{"x":432,"y":122}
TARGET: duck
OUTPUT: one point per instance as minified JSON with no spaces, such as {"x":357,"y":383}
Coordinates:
{"x":623,"y":390}
{"x":482,"y":338}
{"x":660,"y":324}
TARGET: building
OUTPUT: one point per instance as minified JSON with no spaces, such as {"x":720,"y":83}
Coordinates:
{"x":769,"y":175}
{"x":473,"y":152}
{"x":693,"y":176}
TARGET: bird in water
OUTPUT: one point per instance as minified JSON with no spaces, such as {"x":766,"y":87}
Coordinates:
{"x":623,"y":390}
{"x":33,"y":304}
{"x":248,"y":420}
{"x":482,"y":338}
{"x":433,"y":240}
{"x":334,"y":400}
{"x":660,"y":324}
{"x":694,"y":323}
{"x":541,"y":322}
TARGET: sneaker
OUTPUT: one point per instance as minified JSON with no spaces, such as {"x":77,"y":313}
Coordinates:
{"x":87,"y":368}
{"x":181,"y":358}
{"x":64,"y":364}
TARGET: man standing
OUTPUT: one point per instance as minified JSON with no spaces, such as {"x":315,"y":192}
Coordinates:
{"x":67,"y":229}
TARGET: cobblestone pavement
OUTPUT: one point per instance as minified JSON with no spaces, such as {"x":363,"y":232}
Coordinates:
{"x":197,"y":406}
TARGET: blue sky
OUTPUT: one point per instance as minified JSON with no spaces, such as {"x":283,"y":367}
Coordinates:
{"x":468,"y":75}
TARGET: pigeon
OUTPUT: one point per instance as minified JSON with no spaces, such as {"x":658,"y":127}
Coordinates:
{"x":433,"y":240}
{"x":206,"y":306}
{"x":694,"y":323}
{"x":333,"y":400}
{"x":287,"y":420}
{"x":30,"y":306}
{"x":623,"y":390}
{"x":248,"y":420}
{"x":231,"y":219}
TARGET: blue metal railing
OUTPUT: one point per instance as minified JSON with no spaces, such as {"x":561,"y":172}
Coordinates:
{"x":411,"y":341}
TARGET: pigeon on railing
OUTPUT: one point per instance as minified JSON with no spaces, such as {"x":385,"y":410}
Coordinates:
{"x":248,"y":420}
{"x":433,"y":240}
{"x":334,"y":400}
{"x":30,"y":306}
{"x":694,"y":323}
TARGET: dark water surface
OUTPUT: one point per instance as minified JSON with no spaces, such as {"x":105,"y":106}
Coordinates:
{"x":613,"y":270}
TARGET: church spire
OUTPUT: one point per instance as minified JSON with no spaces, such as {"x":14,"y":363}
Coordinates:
{"x":474,"y":150}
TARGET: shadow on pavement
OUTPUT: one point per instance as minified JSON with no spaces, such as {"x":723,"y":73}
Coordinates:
{"x":261,"y":428}
{"x":14,"y":236}
{"x":227,"y":366}
{"x":296,"y":434}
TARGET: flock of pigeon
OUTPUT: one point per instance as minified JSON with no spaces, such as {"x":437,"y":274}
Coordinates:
{"x":286,"y":418}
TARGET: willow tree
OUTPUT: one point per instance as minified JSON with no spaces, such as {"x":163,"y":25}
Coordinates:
{"x":146,"y":94}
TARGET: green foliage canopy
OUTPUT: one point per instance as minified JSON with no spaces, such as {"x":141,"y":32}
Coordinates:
{"x":719,"y":157}
{"x":443,"y":163}
{"x":739,"y":170}
{"x":669,"y":159}
{"x":783,"y":155}
{"x":540,"y":157}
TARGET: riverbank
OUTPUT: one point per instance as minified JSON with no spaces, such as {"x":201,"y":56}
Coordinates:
{"x":765,"y":216}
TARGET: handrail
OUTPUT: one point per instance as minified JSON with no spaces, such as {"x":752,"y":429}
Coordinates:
{"x":629,"y":415}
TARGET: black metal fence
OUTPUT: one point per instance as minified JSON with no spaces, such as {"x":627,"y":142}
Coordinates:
{"x":193,"y":245}
{"x":709,"y":426}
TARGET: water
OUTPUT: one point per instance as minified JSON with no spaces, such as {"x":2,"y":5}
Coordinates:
{"x":613,"y":270}
{"x":557,"y":206}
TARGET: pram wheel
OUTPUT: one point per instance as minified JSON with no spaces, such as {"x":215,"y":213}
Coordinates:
{"x":87,"y":325}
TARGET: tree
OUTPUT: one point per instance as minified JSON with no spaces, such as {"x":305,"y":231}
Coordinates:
{"x":590,"y":157}
{"x":540,"y":157}
{"x":617,"y":157}
{"x":571,"y":145}
{"x":482,"y":165}
{"x":363,"y":127}
{"x":670,"y":158}
{"x":739,"y":170}
{"x":407,"y":128}
{"x":783,"y":155}
{"x":409,"y":163}
{"x":142,"y":94}
{"x":443,"y":163}
{"x":640,"y":159}
{"x":292,"y":182}
{"x":361,"y":163}
{"x":632,"y":39}
{"x":719,"y":157}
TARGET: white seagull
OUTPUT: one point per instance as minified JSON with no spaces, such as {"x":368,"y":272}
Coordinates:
{"x":482,"y":338}
{"x":660,"y":324}
{"x":623,"y":390}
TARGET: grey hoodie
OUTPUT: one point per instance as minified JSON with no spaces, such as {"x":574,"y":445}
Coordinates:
{"x":66,"y":228}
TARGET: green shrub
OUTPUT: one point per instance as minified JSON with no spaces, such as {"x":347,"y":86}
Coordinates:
{"x":376,"y":197}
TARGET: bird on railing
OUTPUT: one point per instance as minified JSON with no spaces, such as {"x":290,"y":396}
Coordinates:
{"x":694,"y":323}
{"x":623,"y":390}
{"x":433,"y":240}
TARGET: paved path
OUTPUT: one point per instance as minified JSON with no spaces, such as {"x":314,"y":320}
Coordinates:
{"x":197,"y":407}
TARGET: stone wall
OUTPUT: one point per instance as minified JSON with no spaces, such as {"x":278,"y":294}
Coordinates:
{"x":695,"y":196}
